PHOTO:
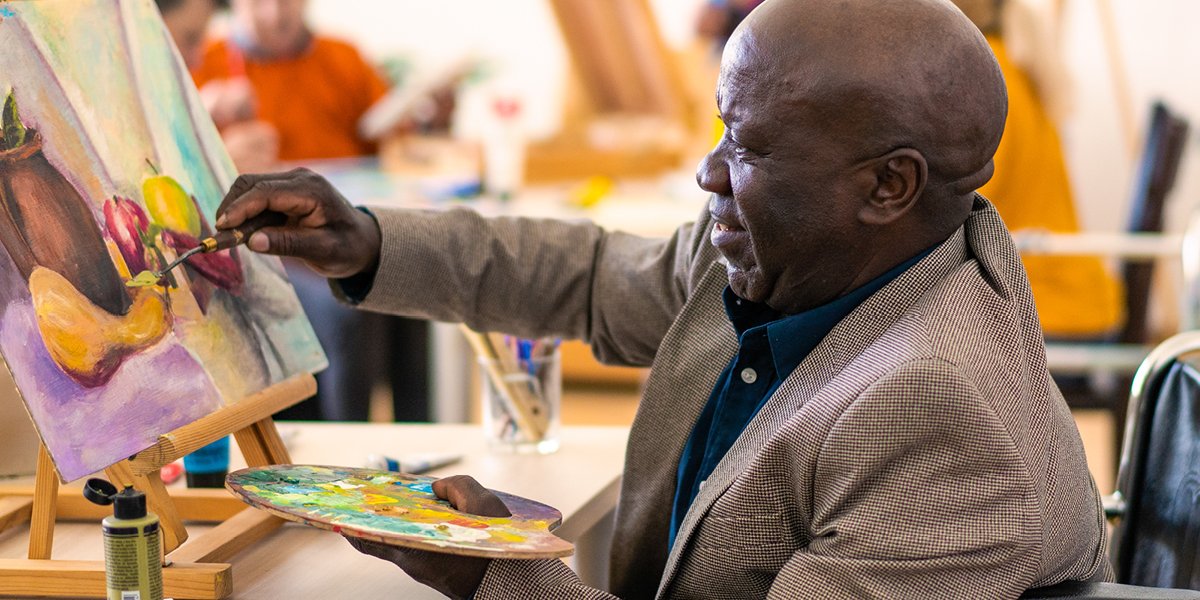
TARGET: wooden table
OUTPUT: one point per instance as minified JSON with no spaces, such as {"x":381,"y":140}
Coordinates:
{"x":581,"y":480}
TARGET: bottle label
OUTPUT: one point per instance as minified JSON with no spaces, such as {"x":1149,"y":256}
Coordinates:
{"x":132,"y":564}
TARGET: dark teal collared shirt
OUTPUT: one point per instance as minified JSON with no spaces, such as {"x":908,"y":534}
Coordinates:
{"x":770,"y":347}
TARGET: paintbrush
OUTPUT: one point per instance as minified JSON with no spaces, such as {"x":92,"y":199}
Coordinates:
{"x":227,"y":238}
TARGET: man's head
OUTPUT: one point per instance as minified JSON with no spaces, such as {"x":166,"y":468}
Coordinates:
{"x":856,"y":134}
{"x":187,"y":20}
{"x":275,"y":28}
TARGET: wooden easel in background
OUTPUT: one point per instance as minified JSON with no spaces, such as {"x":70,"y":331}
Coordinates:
{"x":624,"y":80}
{"x":195,"y":569}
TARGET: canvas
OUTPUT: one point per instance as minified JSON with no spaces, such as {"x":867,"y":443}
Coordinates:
{"x":110,"y":166}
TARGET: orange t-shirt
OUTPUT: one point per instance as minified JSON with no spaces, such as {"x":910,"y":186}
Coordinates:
{"x":313,"y":100}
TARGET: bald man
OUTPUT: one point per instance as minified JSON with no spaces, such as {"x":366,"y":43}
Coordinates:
{"x":849,"y":395}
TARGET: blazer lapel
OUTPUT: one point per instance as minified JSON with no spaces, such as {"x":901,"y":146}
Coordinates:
{"x":846,"y":341}
{"x":691,"y":357}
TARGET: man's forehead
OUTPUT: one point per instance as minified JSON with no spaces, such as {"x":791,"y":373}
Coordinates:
{"x":758,"y":87}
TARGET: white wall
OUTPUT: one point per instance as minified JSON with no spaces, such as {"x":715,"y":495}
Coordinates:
{"x":1158,"y":45}
{"x":519,"y":38}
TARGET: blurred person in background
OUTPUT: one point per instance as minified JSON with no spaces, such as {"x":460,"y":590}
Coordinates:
{"x":280,"y":92}
{"x":187,"y":21}
{"x":1076,"y":296}
{"x":718,"y":19}
{"x":273,"y":70}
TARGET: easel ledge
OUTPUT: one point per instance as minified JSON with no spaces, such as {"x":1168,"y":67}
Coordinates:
{"x":195,"y":570}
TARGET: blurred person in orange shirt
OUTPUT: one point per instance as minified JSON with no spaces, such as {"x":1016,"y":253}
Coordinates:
{"x":1076,"y":296}
{"x":187,"y":22}
{"x":273,"y":74}
{"x":280,"y":92}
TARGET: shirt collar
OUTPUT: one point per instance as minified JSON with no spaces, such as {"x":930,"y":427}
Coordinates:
{"x":793,"y":337}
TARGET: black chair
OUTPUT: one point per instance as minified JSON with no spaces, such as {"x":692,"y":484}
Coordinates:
{"x":1157,"y":170}
{"x":1156,"y":541}
{"x":1078,"y":590}
{"x":1156,"y":508}
{"x":1156,"y":176}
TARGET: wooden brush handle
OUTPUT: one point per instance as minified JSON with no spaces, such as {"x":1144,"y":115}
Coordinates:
{"x":228,"y":238}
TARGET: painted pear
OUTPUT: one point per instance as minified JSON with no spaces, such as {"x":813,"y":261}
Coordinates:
{"x":169,"y":205}
{"x":85,"y":341}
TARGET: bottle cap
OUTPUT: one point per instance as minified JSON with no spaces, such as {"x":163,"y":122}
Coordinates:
{"x":127,"y":504}
{"x":99,"y":491}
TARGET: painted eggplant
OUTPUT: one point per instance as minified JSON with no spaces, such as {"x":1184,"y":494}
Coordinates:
{"x":45,"y":222}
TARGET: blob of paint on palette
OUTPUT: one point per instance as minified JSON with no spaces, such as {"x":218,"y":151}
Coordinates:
{"x":398,"y":509}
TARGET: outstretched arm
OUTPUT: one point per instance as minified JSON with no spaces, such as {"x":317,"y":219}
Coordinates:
{"x":527,"y":277}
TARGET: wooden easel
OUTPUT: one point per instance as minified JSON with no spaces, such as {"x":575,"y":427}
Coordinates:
{"x":621,"y":70}
{"x":194,"y":570}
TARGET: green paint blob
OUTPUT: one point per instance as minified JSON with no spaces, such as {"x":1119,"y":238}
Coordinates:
{"x":143,"y":279}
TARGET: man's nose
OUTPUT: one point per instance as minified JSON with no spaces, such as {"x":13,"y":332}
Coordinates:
{"x":712,"y":174}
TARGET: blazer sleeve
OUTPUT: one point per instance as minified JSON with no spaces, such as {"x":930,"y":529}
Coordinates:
{"x":534,"y":277}
{"x":535,"y":580}
{"x":918,"y":491}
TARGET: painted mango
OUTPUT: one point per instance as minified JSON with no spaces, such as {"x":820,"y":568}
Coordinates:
{"x":85,"y":341}
{"x":170,"y":206}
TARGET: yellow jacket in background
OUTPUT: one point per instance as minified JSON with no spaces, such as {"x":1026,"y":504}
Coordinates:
{"x":1076,"y":296}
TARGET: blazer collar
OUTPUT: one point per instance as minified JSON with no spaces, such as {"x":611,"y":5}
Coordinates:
{"x":845,"y":342}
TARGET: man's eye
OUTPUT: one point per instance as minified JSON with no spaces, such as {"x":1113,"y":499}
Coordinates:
{"x":741,"y":151}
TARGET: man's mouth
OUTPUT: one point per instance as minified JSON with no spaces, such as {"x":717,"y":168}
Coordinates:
{"x":727,"y":238}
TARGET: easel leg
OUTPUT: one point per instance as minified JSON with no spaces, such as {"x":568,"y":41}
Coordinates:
{"x":45,"y":497}
{"x":185,"y":579}
{"x":173,"y":530}
{"x":269,"y":434}
{"x":261,"y":445}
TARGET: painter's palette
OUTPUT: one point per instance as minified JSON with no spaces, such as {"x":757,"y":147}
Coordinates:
{"x":398,"y":509}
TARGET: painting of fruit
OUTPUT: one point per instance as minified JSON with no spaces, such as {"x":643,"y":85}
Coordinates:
{"x":109,"y":170}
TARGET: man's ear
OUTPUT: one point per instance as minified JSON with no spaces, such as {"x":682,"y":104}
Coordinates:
{"x":899,"y":180}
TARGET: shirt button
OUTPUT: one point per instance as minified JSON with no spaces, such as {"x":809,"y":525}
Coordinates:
{"x":749,"y":376}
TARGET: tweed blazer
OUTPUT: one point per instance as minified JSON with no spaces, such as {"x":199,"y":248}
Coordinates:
{"x":921,"y":450}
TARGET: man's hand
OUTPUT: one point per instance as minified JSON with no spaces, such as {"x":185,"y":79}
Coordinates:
{"x":323,"y":229}
{"x":454,"y":576}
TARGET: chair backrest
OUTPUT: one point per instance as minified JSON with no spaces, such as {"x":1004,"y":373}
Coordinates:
{"x":1156,"y":176}
{"x":1157,"y":542}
